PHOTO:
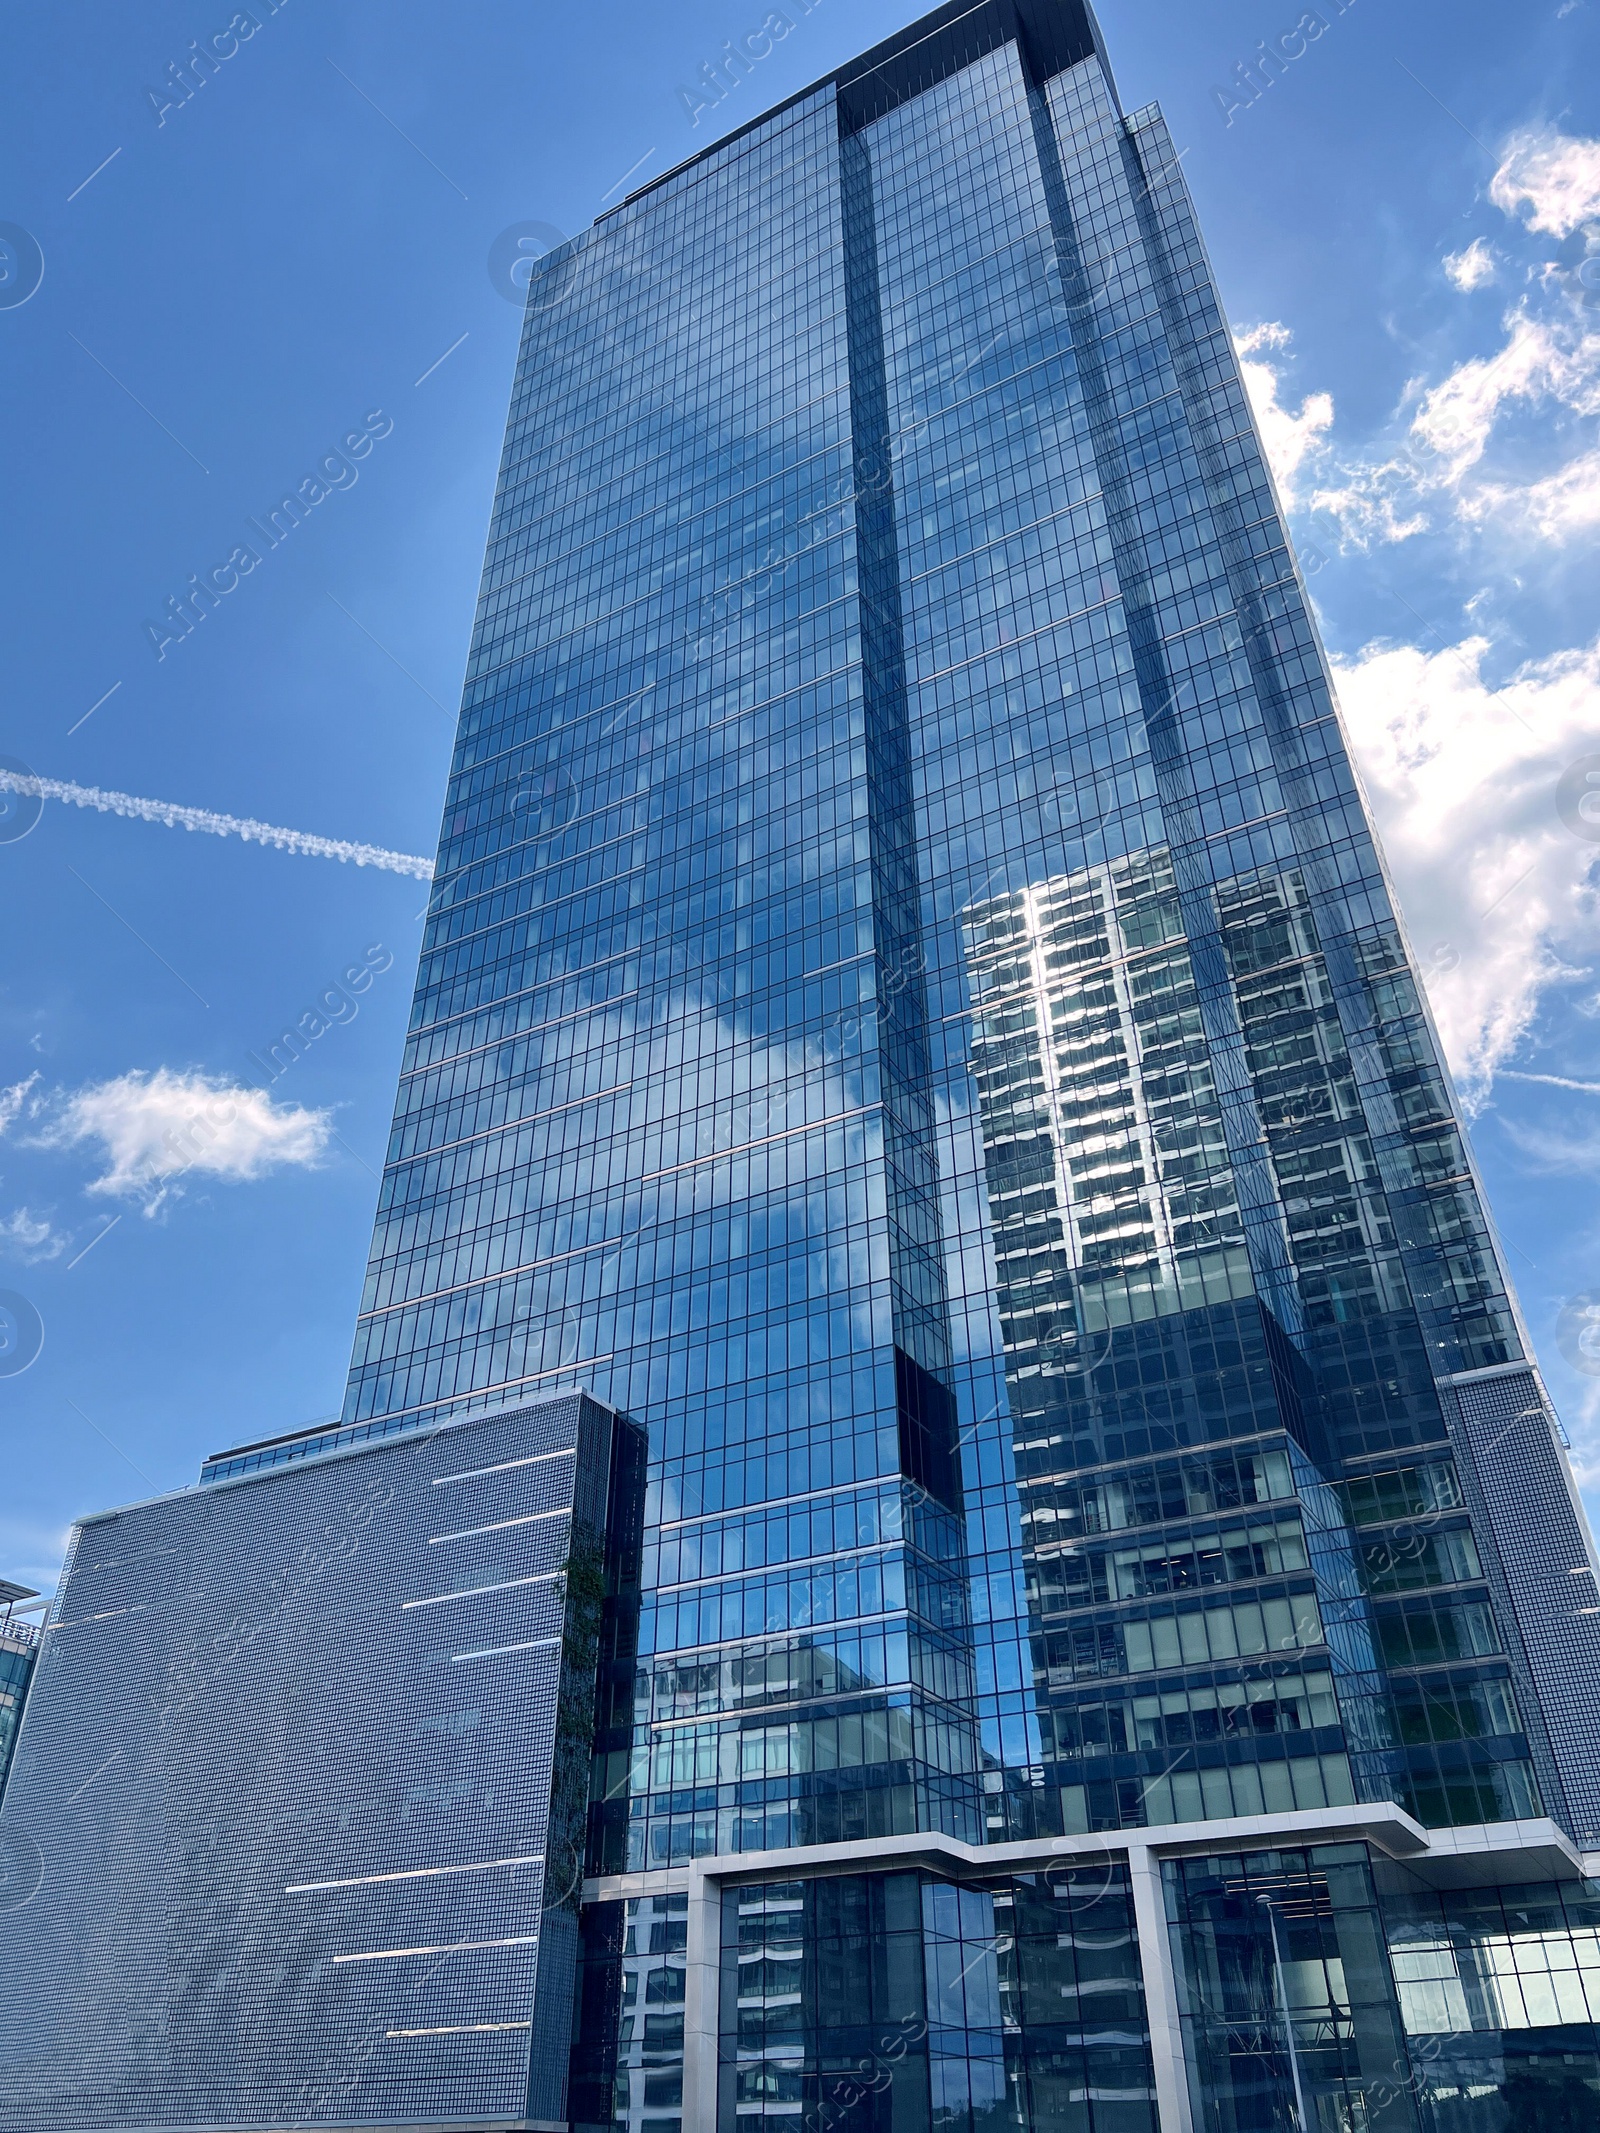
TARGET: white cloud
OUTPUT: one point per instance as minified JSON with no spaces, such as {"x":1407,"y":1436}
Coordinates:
{"x":1438,"y":474}
{"x":1472,"y":268}
{"x":30,"y":1238}
{"x":13,"y":1099}
{"x":1554,"y":176}
{"x":1462,"y":780}
{"x":1389,"y":495}
{"x":1540,"y":360}
{"x":1250,"y":340}
{"x":1560,"y":507}
{"x":153,"y":1129}
{"x":1374,"y":503}
{"x":1289,"y":436}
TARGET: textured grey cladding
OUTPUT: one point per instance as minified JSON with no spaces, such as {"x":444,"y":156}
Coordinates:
{"x":290,"y":1766}
{"x":1531,"y":1506}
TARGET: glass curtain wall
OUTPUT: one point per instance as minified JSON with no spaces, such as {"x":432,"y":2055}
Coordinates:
{"x":911,"y":1011}
{"x":665,"y":1124}
{"x":1211,"y":1227}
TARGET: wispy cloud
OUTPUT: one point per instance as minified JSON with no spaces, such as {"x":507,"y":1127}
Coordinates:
{"x":215,"y":825}
{"x":1456,"y":456}
{"x":1558,"y":508}
{"x":1434,"y":476}
{"x":154,"y":1129}
{"x":12,"y":1101}
{"x":1541,"y":359}
{"x":1560,"y":1153}
{"x":1550,"y":179}
{"x":30,"y":1238}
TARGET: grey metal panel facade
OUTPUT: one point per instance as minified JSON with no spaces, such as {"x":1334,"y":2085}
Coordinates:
{"x":1531,"y":1506}
{"x":290,"y":1766}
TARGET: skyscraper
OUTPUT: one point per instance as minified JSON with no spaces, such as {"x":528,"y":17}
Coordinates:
{"x":913,"y":1015}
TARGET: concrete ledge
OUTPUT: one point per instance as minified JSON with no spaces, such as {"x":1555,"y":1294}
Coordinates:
{"x":1500,"y":1854}
{"x":1378,"y":1822}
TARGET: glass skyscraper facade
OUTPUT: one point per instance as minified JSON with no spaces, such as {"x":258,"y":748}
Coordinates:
{"x":913,"y":1016}
{"x":912,"y":1012}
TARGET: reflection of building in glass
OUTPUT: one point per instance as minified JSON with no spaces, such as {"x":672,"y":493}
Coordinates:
{"x":1110,"y":1184}
{"x":797,"y":1694}
{"x":19,"y":1649}
{"x":1114,"y":1199}
{"x":628,"y":2065}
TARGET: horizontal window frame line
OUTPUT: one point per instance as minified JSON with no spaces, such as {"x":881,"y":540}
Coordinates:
{"x":450,"y":1401}
{"x":457,"y":2029}
{"x":1197,"y":1526}
{"x":911,"y":583}
{"x":603,"y":424}
{"x":651,"y":828}
{"x":842,"y":446}
{"x":472,"y":1140}
{"x":843,"y":1626}
{"x":527,"y":390}
{"x":568,"y":725}
{"x":925,"y":680}
{"x":773,"y":1503}
{"x":744,"y":711}
{"x":903,"y":1695}
{"x":493,"y":927}
{"x":721,"y":1580}
{"x":528,"y":1266}
{"x":637,"y":607}
{"x":845,"y":442}
{"x":576,"y":1014}
{"x":649,"y":1178}
{"x":504,"y":1525}
{"x":686,"y":644}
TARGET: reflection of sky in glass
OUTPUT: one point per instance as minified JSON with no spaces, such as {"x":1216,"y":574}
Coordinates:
{"x":907,"y":964}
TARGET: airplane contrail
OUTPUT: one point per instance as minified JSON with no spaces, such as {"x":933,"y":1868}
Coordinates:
{"x":215,"y":825}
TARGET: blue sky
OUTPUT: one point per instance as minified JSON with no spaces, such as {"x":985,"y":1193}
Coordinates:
{"x":292,"y":270}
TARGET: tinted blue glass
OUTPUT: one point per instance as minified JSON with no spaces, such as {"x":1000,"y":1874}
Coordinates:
{"x":912,"y":1012}
{"x":19,"y":1647}
{"x":888,"y":2001}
